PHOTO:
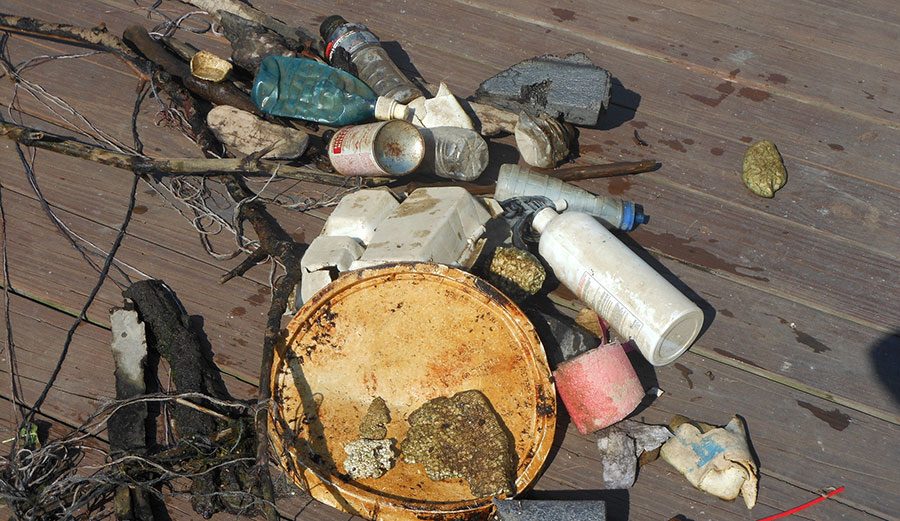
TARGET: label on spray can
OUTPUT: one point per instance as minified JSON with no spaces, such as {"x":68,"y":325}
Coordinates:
{"x":592,"y":291}
{"x":352,"y":150}
{"x":390,"y":148}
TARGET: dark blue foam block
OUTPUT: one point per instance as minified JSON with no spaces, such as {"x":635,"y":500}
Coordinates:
{"x":572,"y":88}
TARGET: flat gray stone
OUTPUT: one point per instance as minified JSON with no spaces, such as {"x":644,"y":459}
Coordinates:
{"x":572,"y":88}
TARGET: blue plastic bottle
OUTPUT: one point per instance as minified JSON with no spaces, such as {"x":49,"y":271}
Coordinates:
{"x":306,"y":89}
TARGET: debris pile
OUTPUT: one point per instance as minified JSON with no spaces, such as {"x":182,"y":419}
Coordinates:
{"x":536,"y":227}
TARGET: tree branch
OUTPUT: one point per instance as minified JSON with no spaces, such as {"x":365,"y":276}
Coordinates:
{"x":244,"y":10}
{"x":172,"y":166}
{"x":98,"y":37}
{"x":224,"y":93}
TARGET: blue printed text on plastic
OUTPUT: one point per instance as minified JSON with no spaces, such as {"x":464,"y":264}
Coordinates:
{"x":306,"y":89}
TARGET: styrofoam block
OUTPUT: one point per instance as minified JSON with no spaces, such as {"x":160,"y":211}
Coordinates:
{"x":438,"y":224}
{"x":326,"y":252}
{"x":313,"y":282}
{"x":359,"y":213}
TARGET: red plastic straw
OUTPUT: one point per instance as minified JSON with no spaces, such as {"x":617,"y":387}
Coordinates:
{"x":803,"y":506}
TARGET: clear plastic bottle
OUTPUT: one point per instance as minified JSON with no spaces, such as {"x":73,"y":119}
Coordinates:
{"x":460,"y":154}
{"x":610,"y":278}
{"x":306,"y":89}
{"x":373,"y":65}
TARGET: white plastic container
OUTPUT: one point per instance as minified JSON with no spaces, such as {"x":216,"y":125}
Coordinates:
{"x":610,"y":278}
{"x":326,"y":254}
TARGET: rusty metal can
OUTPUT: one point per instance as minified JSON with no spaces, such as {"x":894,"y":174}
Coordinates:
{"x":388,"y":148}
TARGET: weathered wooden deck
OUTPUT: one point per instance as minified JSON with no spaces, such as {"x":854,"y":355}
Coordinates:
{"x":800,"y":291}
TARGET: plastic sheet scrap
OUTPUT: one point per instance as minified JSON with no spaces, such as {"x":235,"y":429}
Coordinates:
{"x":716,"y":460}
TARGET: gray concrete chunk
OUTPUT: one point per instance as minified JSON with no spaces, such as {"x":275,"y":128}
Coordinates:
{"x":572,"y":88}
{"x":548,"y":510}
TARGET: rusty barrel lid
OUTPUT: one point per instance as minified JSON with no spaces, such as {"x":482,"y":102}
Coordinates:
{"x":407,"y":333}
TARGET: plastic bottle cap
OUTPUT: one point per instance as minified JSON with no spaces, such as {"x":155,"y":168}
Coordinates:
{"x":387,"y":108}
{"x":541,"y":219}
{"x":329,"y":25}
{"x":627,"y":216}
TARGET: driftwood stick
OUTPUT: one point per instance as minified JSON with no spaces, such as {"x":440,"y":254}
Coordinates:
{"x":580,"y":173}
{"x":245,"y":10}
{"x":172,"y":166}
{"x":277,"y":243}
{"x":224,"y":93}
{"x":97,"y":37}
{"x":172,"y":334}
{"x":575,"y":173}
{"x":251,"y":43}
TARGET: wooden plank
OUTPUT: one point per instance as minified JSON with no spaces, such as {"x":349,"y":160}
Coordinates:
{"x":798,"y":439}
{"x":757,"y":330}
{"x":878,"y":10}
{"x":811,"y":455}
{"x":39,"y":333}
{"x":832,"y":37}
{"x":44,"y":266}
{"x":770,"y":51}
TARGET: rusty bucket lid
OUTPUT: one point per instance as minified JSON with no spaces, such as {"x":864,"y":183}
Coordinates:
{"x":407,"y":333}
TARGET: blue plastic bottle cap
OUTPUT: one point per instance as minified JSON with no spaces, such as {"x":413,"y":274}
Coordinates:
{"x":639,"y":216}
{"x":632,"y":215}
{"x":627,"y":223}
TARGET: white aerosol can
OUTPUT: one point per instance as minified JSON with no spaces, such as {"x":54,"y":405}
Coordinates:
{"x":623,"y":289}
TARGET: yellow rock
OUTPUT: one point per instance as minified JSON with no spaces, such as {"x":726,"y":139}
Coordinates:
{"x":764,"y":171}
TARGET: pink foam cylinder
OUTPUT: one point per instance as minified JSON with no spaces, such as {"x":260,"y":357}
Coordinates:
{"x":598,"y":387}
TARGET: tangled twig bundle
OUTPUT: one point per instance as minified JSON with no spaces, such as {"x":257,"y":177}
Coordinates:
{"x":57,"y":481}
